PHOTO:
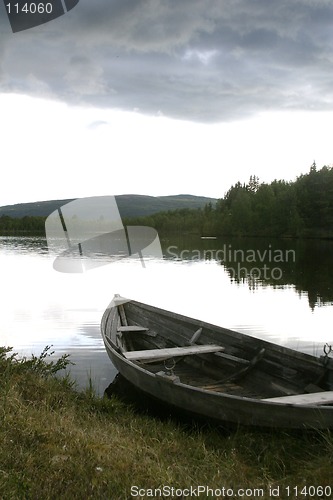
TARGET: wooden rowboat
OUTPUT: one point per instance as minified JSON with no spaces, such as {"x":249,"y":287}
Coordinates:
{"x":217,"y":373}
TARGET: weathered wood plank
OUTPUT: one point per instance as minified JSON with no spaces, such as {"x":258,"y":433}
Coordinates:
{"x":315,"y":398}
{"x":172,"y":352}
{"x":136,"y":329}
{"x":132,"y":328}
{"x":122,"y":314}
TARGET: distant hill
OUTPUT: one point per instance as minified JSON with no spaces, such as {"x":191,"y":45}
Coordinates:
{"x":130,"y":205}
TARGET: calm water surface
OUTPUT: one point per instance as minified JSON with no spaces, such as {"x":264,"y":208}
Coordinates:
{"x":281,"y":291}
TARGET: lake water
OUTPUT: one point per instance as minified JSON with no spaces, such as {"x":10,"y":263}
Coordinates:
{"x":279,"y":290}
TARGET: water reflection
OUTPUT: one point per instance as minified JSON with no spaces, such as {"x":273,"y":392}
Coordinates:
{"x":305,"y":264}
{"x":23,"y":244}
{"x":41,"y":307}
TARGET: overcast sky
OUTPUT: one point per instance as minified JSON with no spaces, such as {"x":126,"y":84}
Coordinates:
{"x":165,"y":97}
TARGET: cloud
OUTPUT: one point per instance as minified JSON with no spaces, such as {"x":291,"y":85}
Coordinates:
{"x":148,"y":25}
{"x":97,"y":124}
{"x":217,"y":60}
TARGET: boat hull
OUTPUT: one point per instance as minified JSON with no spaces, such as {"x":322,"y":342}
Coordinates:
{"x":227,"y":408}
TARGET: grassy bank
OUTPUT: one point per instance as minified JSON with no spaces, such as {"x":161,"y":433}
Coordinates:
{"x":59,"y":443}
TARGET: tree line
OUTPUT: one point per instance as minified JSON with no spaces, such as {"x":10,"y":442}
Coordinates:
{"x":32,"y":225}
{"x":301,"y":208}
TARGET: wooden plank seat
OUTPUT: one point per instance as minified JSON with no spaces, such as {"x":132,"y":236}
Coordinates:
{"x":171,"y":352}
{"x":132,"y":328}
{"x":314,"y":398}
{"x":135,"y":329}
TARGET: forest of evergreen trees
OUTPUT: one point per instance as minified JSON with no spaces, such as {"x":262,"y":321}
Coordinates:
{"x":302,"y":208}
{"x":33,"y":225}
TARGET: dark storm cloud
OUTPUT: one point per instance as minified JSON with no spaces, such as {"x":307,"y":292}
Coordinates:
{"x":198,"y":60}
